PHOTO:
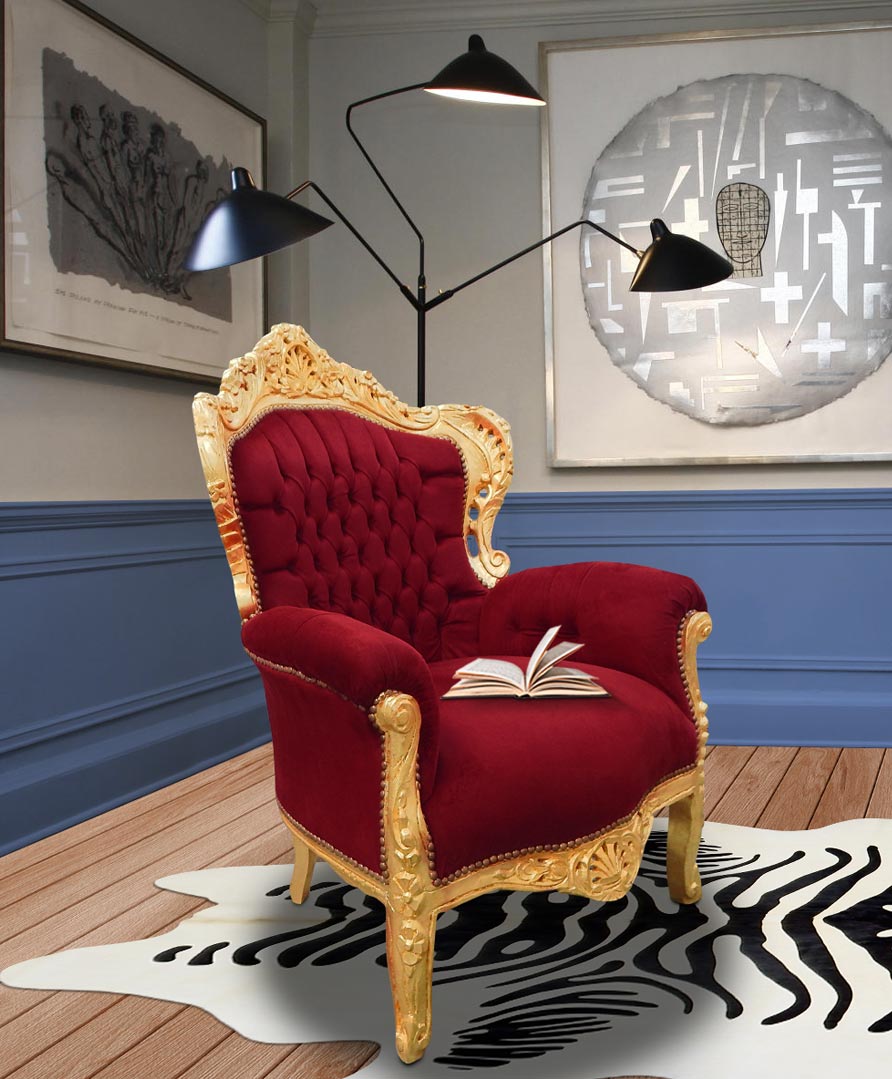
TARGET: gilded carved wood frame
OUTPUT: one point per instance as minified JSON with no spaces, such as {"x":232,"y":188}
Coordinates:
{"x":287,"y":369}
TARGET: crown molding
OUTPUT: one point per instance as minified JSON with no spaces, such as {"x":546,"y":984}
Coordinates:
{"x":337,"y":18}
{"x":259,"y":7}
{"x":302,"y":12}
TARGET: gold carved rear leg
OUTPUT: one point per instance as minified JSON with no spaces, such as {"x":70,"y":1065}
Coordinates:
{"x":685,"y":826}
{"x":302,"y":877}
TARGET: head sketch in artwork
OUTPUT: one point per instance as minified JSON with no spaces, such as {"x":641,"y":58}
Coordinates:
{"x":742,"y":213}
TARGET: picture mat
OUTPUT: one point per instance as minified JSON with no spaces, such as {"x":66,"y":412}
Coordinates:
{"x":596,"y":414}
{"x":35,"y":313}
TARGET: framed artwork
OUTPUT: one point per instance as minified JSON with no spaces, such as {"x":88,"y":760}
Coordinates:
{"x":113,"y":155}
{"x":773,"y":148}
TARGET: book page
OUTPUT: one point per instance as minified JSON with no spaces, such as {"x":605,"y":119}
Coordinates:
{"x":569,"y":689}
{"x":498,"y":670}
{"x":538,"y":653}
{"x":484,"y":689}
{"x":568,"y":681}
{"x":564,"y":673}
{"x":553,"y":656}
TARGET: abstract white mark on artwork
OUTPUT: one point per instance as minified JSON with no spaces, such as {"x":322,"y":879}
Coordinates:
{"x":791,"y":180}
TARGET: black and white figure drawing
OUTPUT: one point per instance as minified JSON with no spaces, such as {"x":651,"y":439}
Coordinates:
{"x":794,"y":181}
{"x":126,"y":192}
{"x":784,"y":967}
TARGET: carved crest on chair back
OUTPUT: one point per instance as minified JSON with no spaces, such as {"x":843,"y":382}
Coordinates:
{"x":287,"y":369}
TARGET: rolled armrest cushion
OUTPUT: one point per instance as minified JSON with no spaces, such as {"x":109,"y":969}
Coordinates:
{"x":349,"y":658}
{"x":626,"y":616}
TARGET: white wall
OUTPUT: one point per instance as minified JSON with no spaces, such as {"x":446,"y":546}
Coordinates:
{"x":69,"y":431}
{"x":471,"y":179}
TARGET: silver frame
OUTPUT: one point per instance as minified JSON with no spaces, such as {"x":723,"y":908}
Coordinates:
{"x":546,"y":48}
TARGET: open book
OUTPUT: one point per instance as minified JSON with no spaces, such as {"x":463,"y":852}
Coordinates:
{"x":542,"y":678}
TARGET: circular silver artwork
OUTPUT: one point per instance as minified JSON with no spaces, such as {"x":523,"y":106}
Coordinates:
{"x":791,"y":180}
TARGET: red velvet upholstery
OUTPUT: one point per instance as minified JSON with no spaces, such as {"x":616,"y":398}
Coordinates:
{"x":519,"y":774}
{"x":627,"y":616}
{"x":355,"y":535}
{"x":343,"y":514}
{"x":352,"y":660}
{"x":329,"y":782}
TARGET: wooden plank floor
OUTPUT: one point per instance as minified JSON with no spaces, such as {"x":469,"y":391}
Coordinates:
{"x":93,"y":884}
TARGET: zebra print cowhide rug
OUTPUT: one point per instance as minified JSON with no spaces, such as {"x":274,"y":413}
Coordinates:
{"x":784,"y":967}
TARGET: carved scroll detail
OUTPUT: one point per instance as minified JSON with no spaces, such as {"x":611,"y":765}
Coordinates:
{"x":286,"y":368}
{"x":411,"y":911}
{"x":603,"y":868}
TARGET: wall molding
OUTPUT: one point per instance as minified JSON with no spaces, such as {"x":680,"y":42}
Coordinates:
{"x":113,"y":711}
{"x":339,"y":18}
{"x":105,"y":560}
{"x":797,"y":581}
{"x":646,"y":501}
{"x":122,"y":667}
{"x":43,"y":516}
{"x":687,"y":539}
{"x":833,"y":664}
{"x":723,"y":518}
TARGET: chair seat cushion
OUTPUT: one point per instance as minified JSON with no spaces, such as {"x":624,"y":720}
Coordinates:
{"x":522,"y":775}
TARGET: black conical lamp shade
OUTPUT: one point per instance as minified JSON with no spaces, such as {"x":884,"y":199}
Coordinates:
{"x":250,"y":223}
{"x":673,"y":263}
{"x":480,"y":75}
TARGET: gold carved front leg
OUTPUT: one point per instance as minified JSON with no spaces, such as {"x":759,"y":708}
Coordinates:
{"x":410,"y":900}
{"x":410,"y":961}
{"x":302,"y":877}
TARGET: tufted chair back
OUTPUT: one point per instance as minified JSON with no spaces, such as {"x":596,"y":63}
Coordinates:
{"x":342,"y":514}
{"x":332,"y":494}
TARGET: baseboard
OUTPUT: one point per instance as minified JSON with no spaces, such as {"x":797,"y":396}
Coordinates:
{"x":72,"y":779}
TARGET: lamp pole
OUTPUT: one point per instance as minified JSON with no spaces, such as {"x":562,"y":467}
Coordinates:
{"x":418,"y":299}
{"x":421,"y":283}
{"x":250,"y":223}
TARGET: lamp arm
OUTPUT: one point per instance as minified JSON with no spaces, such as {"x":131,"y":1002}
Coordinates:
{"x":404,"y":289}
{"x":442,"y":297}
{"x":374,"y":167}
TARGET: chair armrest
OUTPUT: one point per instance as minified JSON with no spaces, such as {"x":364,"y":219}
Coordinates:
{"x":333,"y":656}
{"x":628,"y":617}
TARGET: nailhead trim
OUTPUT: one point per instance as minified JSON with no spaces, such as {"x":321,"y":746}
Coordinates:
{"x":679,"y":646}
{"x":327,"y":846}
{"x":305,"y":678}
{"x":369,"y":713}
{"x":559,"y":846}
{"x":382,"y":848}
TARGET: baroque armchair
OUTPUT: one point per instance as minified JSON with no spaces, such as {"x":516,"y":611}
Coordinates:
{"x":359,"y":535}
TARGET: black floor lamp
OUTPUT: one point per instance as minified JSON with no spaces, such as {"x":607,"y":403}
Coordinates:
{"x":251,"y":222}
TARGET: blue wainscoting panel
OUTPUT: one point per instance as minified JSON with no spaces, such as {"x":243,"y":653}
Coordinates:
{"x":799,"y":584}
{"x":121,"y":668}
